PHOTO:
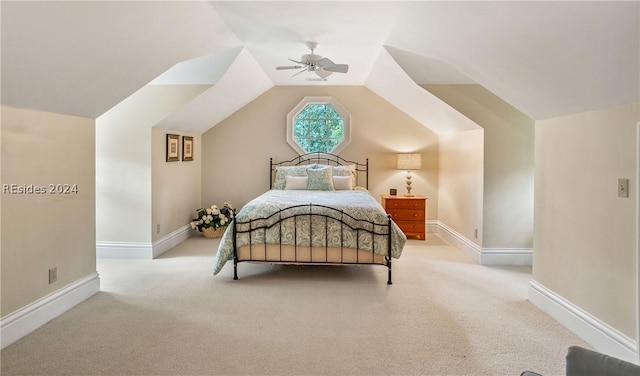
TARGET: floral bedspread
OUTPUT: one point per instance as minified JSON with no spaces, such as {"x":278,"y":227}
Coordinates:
{"x":358,"y":203}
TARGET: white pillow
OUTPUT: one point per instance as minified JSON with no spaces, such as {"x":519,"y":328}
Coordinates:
{"x":296,"y":182}
{"x":342,"y":183}
{"x":282,"y":171}
{"x":347,"y":170}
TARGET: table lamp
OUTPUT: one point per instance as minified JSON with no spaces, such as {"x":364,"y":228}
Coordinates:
{"x":409,"y":162}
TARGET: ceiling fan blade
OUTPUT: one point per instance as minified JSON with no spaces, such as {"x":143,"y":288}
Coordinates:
{"x":322,"y":73}
{"x":297,"y":62}
{"x":324,"y":62}
{"x":301,"y":71}
{"x":330,"y":66}
{"x":340,"y":68}
{"x":289,"y":67}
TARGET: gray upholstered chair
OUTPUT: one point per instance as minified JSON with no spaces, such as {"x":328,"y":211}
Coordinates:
{"x":584,"y":362}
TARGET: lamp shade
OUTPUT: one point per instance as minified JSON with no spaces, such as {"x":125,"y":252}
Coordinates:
{"x":409,"y":161}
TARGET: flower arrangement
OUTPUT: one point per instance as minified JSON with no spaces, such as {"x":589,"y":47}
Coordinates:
{"x":213,"y":217}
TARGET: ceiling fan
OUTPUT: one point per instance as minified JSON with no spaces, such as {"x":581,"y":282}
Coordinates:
{"x":321,"y":66}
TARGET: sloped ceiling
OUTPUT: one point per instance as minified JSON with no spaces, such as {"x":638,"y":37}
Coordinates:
{"x":545,"y":58}
{"x":232,"y":91}
{"x":82,"y":58}
{"x":389,"y":81}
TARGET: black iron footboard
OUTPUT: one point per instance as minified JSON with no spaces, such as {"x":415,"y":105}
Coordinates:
{"x":254,"y":234}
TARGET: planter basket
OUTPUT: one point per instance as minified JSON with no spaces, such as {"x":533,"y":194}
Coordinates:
{"x":210,"y":232}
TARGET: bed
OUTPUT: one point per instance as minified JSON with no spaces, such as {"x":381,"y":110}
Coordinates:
{"x":315,"y":212}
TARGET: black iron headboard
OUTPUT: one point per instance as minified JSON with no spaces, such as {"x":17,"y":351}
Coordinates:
{"x":324,"y":159}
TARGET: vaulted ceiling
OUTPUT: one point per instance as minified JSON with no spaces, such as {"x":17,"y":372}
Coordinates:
{"x":546,"y":59}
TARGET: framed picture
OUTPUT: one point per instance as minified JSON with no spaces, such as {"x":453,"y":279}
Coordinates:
{"x":187,"y":148}
{"x":172,"y":147}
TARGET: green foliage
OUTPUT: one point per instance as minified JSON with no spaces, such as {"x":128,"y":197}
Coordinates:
{"x":318,"y":127}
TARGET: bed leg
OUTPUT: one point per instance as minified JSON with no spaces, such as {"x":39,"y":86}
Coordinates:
{"x":235,"y":269}
{"x":389,"y":278}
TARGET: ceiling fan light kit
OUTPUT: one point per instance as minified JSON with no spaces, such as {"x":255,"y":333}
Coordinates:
{"x":321,"y":66}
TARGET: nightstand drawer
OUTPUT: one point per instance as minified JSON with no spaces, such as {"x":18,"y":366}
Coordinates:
{"x":409,"y":227}
{"x":406,"y":215}
{"x":404,"y":204}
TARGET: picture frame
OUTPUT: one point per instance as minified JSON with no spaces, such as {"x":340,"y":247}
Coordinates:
{"x":187,"y":148}
{"x":173,"y":141}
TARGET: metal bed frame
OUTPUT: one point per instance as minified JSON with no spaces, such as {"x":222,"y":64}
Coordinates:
{"x":346,"y":221}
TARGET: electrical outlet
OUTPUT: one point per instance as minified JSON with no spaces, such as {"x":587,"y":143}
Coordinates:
{"x":53,"y":275}
{"x":475,"y":233}
{"x":158,"y":228}
{"x":623,"y":187}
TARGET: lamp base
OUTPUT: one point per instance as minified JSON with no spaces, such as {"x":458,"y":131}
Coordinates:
{"x":408,"y":194}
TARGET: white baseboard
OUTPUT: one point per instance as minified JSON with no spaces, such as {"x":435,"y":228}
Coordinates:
{"x":601,"y":336}
{"x":507,"y":256}
{"x":465,"y":245}
{"x":171,"y":240}
{"x":485,"y":256}
{"x":124,"y":250}
{"x":29,"y":318}
{"x":139,"y":250}
{"x":432,"y":227}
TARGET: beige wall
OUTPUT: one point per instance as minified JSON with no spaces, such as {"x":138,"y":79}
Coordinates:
{"x":460,"y":191}
{"x":124,"y":162}
{"x":236,"y":152}
{"x":41,"y":231}
{"x":508,"y":164}
{"x":176,"y":186}
{"x":585,"y":248}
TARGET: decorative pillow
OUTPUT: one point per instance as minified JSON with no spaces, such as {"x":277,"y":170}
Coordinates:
{"x":347,"y":170}
{"x":283,"y":171}
{"x":320,"y":179}
{"x":342,"y":183}
{"x":296,"y":182}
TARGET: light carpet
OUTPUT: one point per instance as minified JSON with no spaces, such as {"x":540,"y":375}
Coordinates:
{"x":443,"y":315}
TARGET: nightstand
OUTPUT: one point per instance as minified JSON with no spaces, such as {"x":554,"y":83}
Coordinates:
{"x":408,"y":212}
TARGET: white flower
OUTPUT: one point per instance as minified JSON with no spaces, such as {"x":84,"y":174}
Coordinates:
{"x":213,"y":216}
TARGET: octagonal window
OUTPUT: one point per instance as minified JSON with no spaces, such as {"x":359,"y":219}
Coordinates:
{"x":318,"y":124}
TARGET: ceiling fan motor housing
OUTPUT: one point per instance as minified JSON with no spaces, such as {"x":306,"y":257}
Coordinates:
{"x":310,"y":58}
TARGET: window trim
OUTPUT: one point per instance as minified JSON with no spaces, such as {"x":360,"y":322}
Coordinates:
{"x":346,"y":122}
